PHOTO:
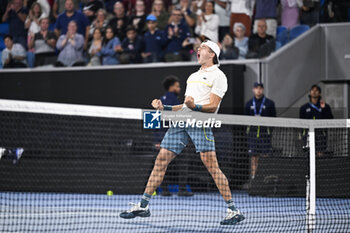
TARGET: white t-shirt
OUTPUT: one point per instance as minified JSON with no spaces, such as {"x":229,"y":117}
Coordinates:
{"x":242,"y":6}
{"x":224,"y":16}
{"x":16,"y":51}
{"x":204,"y":82}
{"x":210,"y":28}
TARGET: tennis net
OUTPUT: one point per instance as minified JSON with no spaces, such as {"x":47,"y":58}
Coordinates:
{"x":73,"y":168}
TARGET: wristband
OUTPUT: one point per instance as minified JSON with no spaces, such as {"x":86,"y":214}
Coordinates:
{"x":198,"y":108}
{"x":168,"y":107}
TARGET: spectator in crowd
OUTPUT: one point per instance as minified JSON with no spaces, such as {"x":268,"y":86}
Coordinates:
{"x":188,"y":16}
{"x":44,"y":4}
{"x":316,"y":109}
{"x":176,"y":33}
{"x":59,"y":7}
{"x":228,"y":49}
{"x":70,"y":14}
{"x":290,"y":12}
{"x":241,"y":12}
{"x":162,"y":15}
{"x":120,"y":21}
{"x":197,"y":6}
{"x":109,"y":5}
{"x":241,"y":41}
{"x":100,"y":22}
{"x":224,"y":17}
{"x":259,"y":138}
{"x":95,"y":48}
{"x":260,"y":44}
{"x":310,"y":12}
{"x":32,"y":21}
{"x":71,"y":46}
{"x":138,"y":19}
{"x":110,"y":46}
{"x":192,"y":45}
{"x":267,"y":10}
{"x":45,"y":7}
{"x":44,"y":44}
{"x":130,"y":6}
{"x":335,"y":10}
{"x":91,"y":7}
{"x":14,"y":55}
{"x":154,"y":41}
{"x":16,"y":15}
{"x":131,"y":47}
{"x":208,"y":23}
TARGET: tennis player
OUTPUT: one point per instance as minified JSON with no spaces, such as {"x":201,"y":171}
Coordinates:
{"x":204,"y":92}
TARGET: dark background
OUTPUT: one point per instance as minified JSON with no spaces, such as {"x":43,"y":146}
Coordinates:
{"x":130,"y":87}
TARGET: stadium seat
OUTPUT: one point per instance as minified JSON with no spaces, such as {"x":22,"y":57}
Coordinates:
{"x":278,"y":45}
{"x":281,"y":29}
{"x":2,"y":44}
{"x":4,"y":29}
{"x":297,"y":31}
{"x":282,"y":35}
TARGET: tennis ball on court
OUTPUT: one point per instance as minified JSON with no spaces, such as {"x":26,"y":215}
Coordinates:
{"x":109,"y":193}
{"x":154,"y":193}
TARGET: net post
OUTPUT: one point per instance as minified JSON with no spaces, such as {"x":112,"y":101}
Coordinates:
{"x":311,"y":184}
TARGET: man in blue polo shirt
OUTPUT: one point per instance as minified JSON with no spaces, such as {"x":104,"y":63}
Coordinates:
{"x":177,"y":31}
{"x":259,"y":138}
{"x":71,"y":14}
{"x":154,"y":41}
{"x":316,"y":109}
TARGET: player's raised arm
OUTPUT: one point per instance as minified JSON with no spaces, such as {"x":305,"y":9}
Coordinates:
{"x":211,"y":107}
{"x":157,"y":104}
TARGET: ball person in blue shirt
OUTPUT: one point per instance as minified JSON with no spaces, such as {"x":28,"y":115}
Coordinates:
{"x":204,"y":92}
{"x":315,"y":109}
{"x":259,"y":138}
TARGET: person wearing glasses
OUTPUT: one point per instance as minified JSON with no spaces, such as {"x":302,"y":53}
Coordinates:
{"x":176,"y":32}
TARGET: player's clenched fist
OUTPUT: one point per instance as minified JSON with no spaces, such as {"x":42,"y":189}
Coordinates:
{"x":157,"y":104}
{"x":189,"y":101}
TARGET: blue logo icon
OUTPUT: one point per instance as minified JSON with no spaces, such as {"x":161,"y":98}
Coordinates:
{"x":151,"y":119}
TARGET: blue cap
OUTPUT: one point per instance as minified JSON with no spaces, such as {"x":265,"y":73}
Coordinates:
{"x":151,"y":18}
{"x":258,"y":84}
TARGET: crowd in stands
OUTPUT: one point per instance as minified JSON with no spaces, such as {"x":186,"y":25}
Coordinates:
{"x":110,"y":32}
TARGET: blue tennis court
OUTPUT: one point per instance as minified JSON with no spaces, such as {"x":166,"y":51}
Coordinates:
{"x":49,"y":212}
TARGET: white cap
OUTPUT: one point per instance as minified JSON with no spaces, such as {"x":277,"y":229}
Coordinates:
{"x":213,"y":46}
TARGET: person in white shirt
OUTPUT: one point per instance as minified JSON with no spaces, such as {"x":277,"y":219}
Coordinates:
{"x":223,"y":11}
{"x":14,"y":55}
{"x":32,"y":22}
{"x":208,"y":23}
{"x":204,"y":92}
{"x":241,"y":12}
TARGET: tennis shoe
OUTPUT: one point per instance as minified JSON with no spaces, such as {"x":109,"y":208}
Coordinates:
{"x":233,"y":217}
{"x":135,"y":211}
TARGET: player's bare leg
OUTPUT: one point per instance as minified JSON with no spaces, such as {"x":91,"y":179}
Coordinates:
{"x":210,"y":161}
{"x":233,"y":214}
{"x":164,"y":157}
